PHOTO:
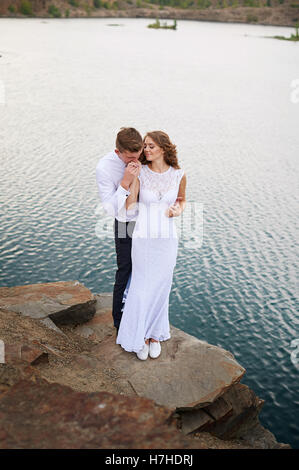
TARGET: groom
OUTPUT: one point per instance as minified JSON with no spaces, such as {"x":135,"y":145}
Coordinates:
{"x":114,"y":173}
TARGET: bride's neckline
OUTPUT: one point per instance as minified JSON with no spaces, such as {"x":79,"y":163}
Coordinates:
{"x":158,"y":172}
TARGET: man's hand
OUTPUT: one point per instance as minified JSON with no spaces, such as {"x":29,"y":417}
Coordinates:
{"x":175,"y":209}
{"x":131,"y":172}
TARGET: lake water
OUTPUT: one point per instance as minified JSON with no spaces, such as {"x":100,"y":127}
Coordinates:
{"x":224,"y":94}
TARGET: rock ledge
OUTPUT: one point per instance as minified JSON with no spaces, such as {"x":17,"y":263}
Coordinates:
{"x":74,"y":369}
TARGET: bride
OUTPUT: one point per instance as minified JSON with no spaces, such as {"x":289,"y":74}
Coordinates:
{"x":160,"y":186}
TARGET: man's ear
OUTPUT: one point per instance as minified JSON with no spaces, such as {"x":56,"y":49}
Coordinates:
{"x":117,"y":151}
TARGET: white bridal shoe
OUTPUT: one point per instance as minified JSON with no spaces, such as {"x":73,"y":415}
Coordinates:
{"x":143,"y":353}
{"x":154,"y":349}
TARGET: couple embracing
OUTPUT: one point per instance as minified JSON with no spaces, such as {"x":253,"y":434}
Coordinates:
{"x":142,"y":186}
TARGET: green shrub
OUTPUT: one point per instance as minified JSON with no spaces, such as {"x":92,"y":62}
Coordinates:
{"x":74,"y":3}
{"x":295,"y":5}
{"x":222,"y":4}
{"x":54,"y":11}
{"x":251,"y":3}
{"x":87,"y":9}
{"x":164,"y":25}
{"x":203,"y":3}
{"x":251,"y":18}
{"x":26,"y":8}
{"x":67,"y":13}
{"x":12,"y":9}
{"x":97,"y":3}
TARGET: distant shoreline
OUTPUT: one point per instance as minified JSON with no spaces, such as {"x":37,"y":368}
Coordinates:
{"x":242,"y":15}
{"x":36,"y":17}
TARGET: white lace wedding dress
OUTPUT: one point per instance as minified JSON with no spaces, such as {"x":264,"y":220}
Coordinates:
{"x":154,"y":253}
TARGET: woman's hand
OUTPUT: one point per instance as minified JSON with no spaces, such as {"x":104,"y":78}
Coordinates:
{"x":175,"y":209}
{"x":134,"y":168}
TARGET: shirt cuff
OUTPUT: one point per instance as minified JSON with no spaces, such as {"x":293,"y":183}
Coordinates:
{"x":124,"y":191}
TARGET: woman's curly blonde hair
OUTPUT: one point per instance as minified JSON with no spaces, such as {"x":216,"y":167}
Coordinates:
{"x":163,"y":141}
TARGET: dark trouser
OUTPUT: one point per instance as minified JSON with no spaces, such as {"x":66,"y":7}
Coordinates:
{"x":123,"y":244}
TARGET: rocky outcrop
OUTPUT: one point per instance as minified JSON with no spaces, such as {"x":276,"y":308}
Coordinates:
{"x":192,"y":391}
{"x":54,"y":304}
{"x":188,"y":374}
{"x":64,"y":419}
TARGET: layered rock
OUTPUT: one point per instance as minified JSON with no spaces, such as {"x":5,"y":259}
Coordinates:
{"x":64,"y":419}
{"x":192,"y":384}
{"x":188,"y":374}
{"x":198,"y":381}
{"x":54,"y":303}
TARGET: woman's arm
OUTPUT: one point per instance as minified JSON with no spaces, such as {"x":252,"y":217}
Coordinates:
{"x":132,"y":198}
{"x":177,"y":208}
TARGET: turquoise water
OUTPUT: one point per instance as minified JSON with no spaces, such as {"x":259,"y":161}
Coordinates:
{"x":224,"y":95}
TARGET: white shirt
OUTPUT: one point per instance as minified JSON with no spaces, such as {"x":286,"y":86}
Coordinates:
{"x":109,"y":173}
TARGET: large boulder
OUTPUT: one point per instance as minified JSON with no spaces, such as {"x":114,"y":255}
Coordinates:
{"x":53,"y":303}
{"x":64,"y":419}
{"x":189,"y":373}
